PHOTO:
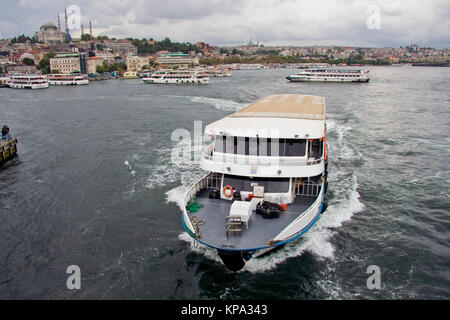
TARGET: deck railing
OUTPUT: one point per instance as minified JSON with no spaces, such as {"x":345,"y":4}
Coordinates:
{"x":307,"y":189}
{"x":208,"y":154}
{"x":208,"y":181}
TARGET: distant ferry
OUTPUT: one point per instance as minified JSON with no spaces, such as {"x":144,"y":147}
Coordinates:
{"x":177,"y":77}
{"x":67,"y":79}
{"x":28,"y":81}
{"x":4,"y":82}
{"x":330,"y":75}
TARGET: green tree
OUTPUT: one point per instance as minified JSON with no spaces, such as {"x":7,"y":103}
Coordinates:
{"x":44,"y":63}
{"x":86,"y":37}
{"x":28,"y":62}
{"x":56,"y":71}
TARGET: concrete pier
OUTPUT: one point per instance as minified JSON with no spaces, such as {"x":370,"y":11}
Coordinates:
{"x":8,"y":149}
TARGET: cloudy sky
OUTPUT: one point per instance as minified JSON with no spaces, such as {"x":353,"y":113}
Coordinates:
{"x":231,"y":22}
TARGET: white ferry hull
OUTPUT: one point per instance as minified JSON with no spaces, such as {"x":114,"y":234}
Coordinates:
{"x":311,"y":79}
{"x":68,"y":82}
{"x":28,"y":86}
{"x":175,"y":81}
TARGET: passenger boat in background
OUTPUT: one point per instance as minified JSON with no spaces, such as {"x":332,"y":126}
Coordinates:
{"x":4,"y":82}
{"x":28,"y":81}
{"x":265,"y":179}
{"x":177,"y":77}
{"x":330,"y":75}
{"x":67,"y":79}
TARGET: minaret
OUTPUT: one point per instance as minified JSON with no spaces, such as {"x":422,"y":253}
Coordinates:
{"x":59,"y":23}
{"x":90,"y":28}
{"x":82,"y":29}
{"x":67,"y":26}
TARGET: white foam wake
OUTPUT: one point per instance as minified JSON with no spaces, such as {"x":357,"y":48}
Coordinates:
{"x":219,"y":104}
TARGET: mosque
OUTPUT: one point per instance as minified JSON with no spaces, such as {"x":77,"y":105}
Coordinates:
{"x":49,"y":33}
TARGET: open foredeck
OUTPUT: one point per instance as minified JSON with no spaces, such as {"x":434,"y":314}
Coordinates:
{"x":260,"y":230}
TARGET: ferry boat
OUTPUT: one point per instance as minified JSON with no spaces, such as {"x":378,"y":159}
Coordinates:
{"x":330,"y":75}
{"x":28,"y":81}
{"x":218,"y":72}
{"x":4,"y":82}
{"x":177,"y":77}
{"x":67,"y":79}
{"x":265,"y":180}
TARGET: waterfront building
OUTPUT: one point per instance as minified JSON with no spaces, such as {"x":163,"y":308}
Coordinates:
{"x":179,"y":59}
{"x":106,"y":56}
{"x":49,"y":33}
{"x":66,"y":63}
{"x":130,"y":75}
{"x":92,"y":63}
{"x":122,"y":47}
{"x":136,"y":63}
{"x":14,"y":68}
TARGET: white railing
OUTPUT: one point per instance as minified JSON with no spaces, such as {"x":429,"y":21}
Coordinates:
{"x":209,"y":154}
{"x":307,"y":189}
{"x":208,"y":181}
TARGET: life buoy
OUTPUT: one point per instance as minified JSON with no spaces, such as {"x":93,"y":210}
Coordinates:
{"x":225,"y":193}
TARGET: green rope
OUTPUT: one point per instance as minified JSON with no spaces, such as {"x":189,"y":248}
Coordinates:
{"x":193,"y":206}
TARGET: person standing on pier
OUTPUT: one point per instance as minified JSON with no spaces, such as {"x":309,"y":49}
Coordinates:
{"x":5,"y":132}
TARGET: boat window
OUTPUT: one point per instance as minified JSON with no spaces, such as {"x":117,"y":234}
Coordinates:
{"x":271,"y":185}
{"x":241,"y":145}
{"x":219,"y":145}
{"x":295,"y":147}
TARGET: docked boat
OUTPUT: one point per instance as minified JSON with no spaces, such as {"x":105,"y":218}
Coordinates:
{"x":177,"y":77}
{"x":4,"y":82}
{"x":265,"y":178}
{"x":67,"y":79}
{"x":330,"y":75}
{"x":28,"y":81}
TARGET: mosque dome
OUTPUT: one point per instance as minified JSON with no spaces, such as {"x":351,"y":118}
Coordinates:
{"x":48,"y":25}
{"x":26,"y":55}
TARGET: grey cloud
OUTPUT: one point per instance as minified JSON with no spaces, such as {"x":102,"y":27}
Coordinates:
{"x":224,"y":22}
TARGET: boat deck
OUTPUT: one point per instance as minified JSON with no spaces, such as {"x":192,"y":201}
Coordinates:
{"x":260,"y":230}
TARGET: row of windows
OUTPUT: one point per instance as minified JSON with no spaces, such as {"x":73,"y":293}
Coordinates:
{"x":333,"y":75}
{"x":261,"y":146}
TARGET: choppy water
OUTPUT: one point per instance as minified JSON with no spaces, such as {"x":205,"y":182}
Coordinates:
{"x":94,"y":186}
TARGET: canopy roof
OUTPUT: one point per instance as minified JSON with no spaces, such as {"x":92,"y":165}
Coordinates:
{"x":285,"y":106}
{"x":278,"y":116}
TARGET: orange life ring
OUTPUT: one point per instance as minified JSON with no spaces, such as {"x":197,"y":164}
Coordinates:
{"x":228,"y":187}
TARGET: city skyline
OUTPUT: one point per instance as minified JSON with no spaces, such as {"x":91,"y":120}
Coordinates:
{"x":232,"y":22}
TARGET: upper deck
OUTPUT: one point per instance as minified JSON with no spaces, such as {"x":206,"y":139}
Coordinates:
{"x":275,"y":116}
{"x":276,"y":136}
